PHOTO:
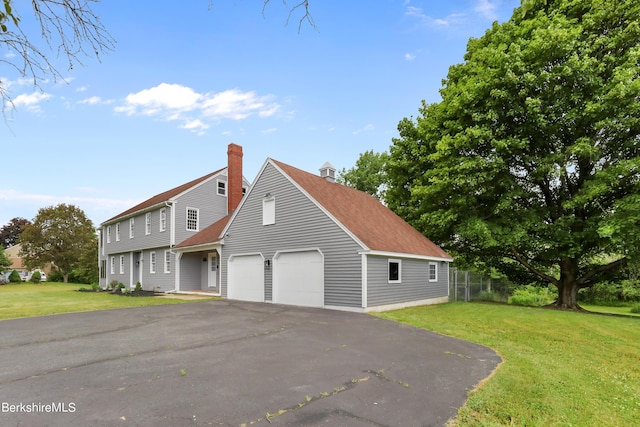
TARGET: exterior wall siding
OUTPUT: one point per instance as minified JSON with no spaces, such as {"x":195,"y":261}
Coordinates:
{"x":414,"y":285}
{"x":299,"y":224}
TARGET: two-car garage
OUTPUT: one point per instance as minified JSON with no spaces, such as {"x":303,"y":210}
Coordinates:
{"x":297,"y":277}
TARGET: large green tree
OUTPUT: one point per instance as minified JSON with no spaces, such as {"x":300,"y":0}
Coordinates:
{"x":530,"y":162}
{"x":59,"y":234}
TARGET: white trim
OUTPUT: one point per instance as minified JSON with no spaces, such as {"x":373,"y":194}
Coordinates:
{"x":201,"y":247}
{"x":163,"y":212}
{"x":269,"y":210}
{"x":365,"y":279}
{"x":132,"y":227}
{"x":398,"y":306}
{"x":176,"y":271}
{"x":164,"y":261}
{"x":435,"y":264}
{"x":226,"y":189}
{"x":403,"y":255}
{"x":197,"y":211}
{"x":395,"y":261}
{"x":121,"y":268}
{"x":153,"y":261}
{"x":147,"y":223}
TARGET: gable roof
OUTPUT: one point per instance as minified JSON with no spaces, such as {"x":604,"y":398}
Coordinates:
{"x":375,"y":225}
{"x":164,"y":197}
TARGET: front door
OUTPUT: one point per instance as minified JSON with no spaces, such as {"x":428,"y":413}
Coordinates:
{"x":212,"y":276}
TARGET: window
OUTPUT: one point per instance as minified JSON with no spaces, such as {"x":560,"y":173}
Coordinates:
{"x":117,"y":232}
{"x":433,"y":272}
{"x":167,"y":262}
{"x":121,"y":264}
{"x":192,"y":219}
{"x":132,"y":227}
{"x":268,"y":210}
{"x":222,"y":188}
{"x":163,"y":219}
{"x":108,"y":234}
{"x":113,"y":265}
{"x":103,"y":269}
{"x":394,"y":271}
{"x":152,"y":262}
{"x":147,"y":223}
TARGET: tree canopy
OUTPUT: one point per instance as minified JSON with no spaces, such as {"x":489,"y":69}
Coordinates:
{"x":59,"y":234}
{"x":367,"y":175}
{"x":530,"y":163}
{"x":10,"y":232}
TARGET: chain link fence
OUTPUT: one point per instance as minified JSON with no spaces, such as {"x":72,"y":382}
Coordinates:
{"x":470,"y":286}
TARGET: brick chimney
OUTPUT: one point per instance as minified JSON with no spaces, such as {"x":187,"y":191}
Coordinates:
{"x":234,"y":176}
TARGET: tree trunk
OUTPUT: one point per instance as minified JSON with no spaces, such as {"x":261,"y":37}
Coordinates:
{"x":568,"y":285}
{"x":65,"y":277}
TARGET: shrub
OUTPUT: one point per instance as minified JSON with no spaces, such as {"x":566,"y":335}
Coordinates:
{"x":56,"y":276}
{"x":14,"y":277}
{"x":95,"y":287}
{"x":35,"y":277}
{"x":138,"y":287}
{"x":533,"y":296}
{"x":489,"y":296}
{"x":113,"y":284}
{"x":635,"y":308}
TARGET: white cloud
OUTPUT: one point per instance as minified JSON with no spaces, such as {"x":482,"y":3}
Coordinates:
{"x":487,"y":9}
{"x":176,"y":102}
{"x":31,"y":101}
{"x":93,"y":100}
{"x":366,"y":128}
{"x":268,"y":131}
{"x":409,"y":56}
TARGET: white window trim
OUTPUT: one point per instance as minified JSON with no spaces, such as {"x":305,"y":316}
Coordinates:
{"x":197,"y":211}
{"x":113,"y":265}
{"x":163,"y":219}
{"x":435,"y":264}
{"x":132,"y":227}
{"x":152,"y":262}
{"x":167,"y":261}
{"x":121,"y":264}
{"x":399,"y":262}
{"x":268,"y":210}
{"x":108,"y":233}
{"x":117,"y":232}
{"x":218,"y":188}
{"x":147,"y":224}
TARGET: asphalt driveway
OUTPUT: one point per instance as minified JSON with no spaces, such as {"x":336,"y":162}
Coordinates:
{"x":224,"y":363}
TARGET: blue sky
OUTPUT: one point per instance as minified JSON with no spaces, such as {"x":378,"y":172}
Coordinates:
{"x":186,"y":79}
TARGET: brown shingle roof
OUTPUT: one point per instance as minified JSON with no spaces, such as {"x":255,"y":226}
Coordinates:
{"x":211,"y":234}
{"x":163,"y":197}
{"x":370,"y":221}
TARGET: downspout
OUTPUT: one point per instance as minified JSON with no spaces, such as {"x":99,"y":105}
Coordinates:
{"x":172,"y":242}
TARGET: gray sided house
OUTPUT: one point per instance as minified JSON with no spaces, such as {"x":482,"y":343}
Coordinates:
{"x":138,"y":244}
{"x":302,"y":239}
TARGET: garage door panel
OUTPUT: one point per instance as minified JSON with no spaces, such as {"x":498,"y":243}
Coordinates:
{"x":299,"y":279}
{"x":246,"y":278}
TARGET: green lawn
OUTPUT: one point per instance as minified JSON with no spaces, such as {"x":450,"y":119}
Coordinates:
{"x":28,"y":299}
{"x":624,"y":310}
{"x":559,"y":368}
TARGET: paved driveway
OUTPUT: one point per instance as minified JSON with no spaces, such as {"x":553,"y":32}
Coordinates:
{"x":222,"y":363}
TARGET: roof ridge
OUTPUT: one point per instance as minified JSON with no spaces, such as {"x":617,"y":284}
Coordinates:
{"x":165,"y":195}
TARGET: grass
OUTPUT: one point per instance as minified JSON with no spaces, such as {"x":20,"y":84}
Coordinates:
{"x":624,"y":310}
{"x":559,"y":368}
{"x":28,"y":299}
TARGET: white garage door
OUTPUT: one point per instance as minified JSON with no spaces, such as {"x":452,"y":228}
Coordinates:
{"x":299,"y":278}
{"x":246,"y":278}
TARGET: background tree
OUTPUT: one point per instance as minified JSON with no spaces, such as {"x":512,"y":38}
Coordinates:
{"x":530,"y":162}
{"x":59,"y":234}
{"x":367,"y":175}
{"x":10,"y":233}
{"x":68,"y":27}
{"x":5,"y":263}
